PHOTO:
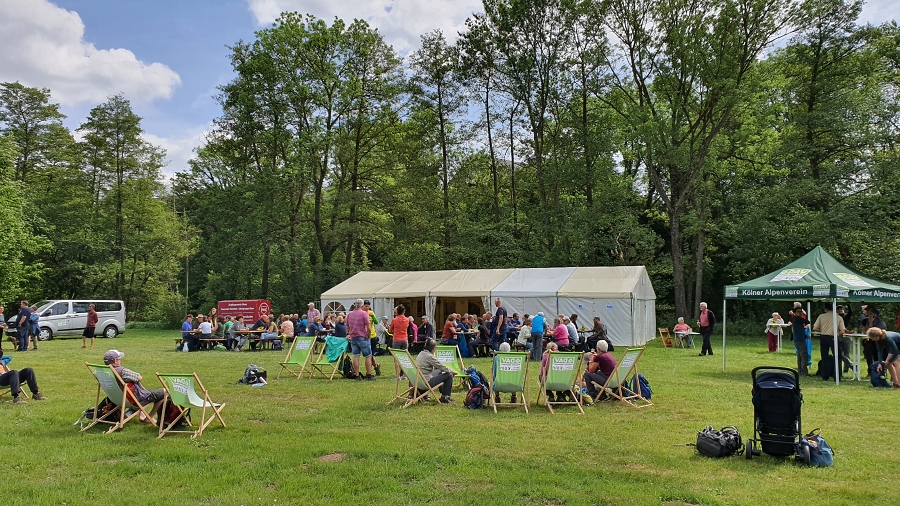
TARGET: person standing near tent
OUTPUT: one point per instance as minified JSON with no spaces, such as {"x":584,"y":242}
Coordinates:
{"x":358,"y":335}
{"x":538,"y":327}
{"x":871,"y":319}
{"x":707,"y":323}
{"x":399,"y":330}
{"x":825,"y":327}
{"x":773,"y":331}
{"x":498,"y":334}
{"x":798,"y":325}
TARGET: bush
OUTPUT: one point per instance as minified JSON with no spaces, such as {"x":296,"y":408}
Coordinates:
{"x":151,"y":325}
{"x":168,"y":310}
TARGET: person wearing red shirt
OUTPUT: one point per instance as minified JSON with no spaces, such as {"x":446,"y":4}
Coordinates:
{"x":448,"y":336}
{"x":90,"y":327}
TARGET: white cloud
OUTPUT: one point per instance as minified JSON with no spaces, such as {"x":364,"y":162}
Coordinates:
{"x":179,"y":149}
{"x":43,"y":46}
{"x":879,"y":11}
{"x":401,"y":22}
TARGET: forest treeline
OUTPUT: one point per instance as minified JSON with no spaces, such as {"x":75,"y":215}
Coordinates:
{"x":710,"y":140}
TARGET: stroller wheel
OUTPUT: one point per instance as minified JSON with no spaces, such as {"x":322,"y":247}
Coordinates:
{"x":749,"y":449}
{"x":804,"y":453}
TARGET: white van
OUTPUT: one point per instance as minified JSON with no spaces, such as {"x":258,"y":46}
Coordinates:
{"x":69,"y":317}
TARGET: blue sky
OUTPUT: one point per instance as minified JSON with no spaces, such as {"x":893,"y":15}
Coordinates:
{"x":168,"y":56}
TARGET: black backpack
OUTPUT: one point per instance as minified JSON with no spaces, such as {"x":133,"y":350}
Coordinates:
{"x":476,"y":396}
{"x":347,"y":367}
{"x":252,"y":375}
{"x":826,"y":367}
{"x":719,"y":443}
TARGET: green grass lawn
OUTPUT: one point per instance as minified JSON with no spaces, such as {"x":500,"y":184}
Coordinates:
{"x":281,"y":440}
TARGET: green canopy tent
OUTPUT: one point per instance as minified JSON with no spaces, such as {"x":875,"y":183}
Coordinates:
{"x":814,"y":276}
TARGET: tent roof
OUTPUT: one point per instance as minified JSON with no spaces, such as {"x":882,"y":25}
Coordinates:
{"x":815,"y":275}
{"x":533,"y":282}
{"x":471,"y":283}
{"x":362,"y":284}
{"x":414,"y":283}
{"x":584,"y":282}
{"x":609,"y":283}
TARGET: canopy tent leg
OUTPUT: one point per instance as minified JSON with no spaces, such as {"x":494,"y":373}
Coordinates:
{"x":836,"y":349}
{"x":724,"y":306}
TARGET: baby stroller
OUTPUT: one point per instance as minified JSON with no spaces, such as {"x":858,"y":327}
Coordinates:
{"x":776,"y":414}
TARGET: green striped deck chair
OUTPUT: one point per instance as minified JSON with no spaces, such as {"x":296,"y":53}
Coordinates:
{"x":451,"y":357}
{"x":562,"y":375}
{"x":328,"y":363}
{"x":181,"y":390}
{"x":618,"y":383}
{"x":418,"y":389}
{"x":510,"y":375}
{"x":298,"y":356}
{"x":112,"y":386}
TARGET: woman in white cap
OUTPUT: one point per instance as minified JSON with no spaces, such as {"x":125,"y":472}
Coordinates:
{"x":773,"y":331}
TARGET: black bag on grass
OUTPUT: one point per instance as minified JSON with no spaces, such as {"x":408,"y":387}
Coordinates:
{"x":719,"y":443}
{"x":253,"y":374}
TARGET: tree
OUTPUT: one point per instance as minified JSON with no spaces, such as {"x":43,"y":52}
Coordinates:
{"x":34,"y":123}
{"x":680,"y":73}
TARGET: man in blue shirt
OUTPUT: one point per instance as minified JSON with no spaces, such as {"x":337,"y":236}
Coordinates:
{"x":23,"y":325}
{"x":538,"y":325}
{"x":189,"y":339}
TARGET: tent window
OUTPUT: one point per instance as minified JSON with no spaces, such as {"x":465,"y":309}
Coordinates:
{"x":334,"y":307}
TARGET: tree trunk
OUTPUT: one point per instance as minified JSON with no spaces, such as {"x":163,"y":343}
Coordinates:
{"x":494,"y":177}
{"x":699,"y":257}
{"x":677,"y":262}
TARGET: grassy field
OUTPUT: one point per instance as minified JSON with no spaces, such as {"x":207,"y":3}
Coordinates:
{"x":320,"y":442}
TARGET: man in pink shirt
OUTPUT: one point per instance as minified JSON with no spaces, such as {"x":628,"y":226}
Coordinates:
{"x":358,"y":335}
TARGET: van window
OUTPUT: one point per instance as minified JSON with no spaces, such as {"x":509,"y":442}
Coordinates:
{"x":60,"y":308}
{"x":80,"y":307}
{"x":107,"y":306}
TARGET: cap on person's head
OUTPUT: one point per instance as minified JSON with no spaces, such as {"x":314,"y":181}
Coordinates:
{"x":384,"y":317}
{"x":540,"y":313}
{"x":840,"y":307}
{"x":602,"y":346}
{"x":111,"y":356}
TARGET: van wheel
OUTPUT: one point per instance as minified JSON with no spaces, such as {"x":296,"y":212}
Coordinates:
{"x":110,"y":332}
{"x":45,"y":335}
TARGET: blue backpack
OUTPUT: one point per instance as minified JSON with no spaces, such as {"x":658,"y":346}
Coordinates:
{"x":640,"y":382}
{"x":820,"y":452}
{"x":878,"y":379}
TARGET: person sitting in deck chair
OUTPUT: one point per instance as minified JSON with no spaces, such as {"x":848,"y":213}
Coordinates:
{"x":551,"y":347}
{"x":600,"y":366}
{"x":113,"y":358}
{"x":435,"y":371}
{"x":13,"y":379}
{"x":504,"y":348}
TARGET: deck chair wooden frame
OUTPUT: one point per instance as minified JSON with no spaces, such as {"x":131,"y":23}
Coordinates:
{"x":8,"y":390}
{"x":418,"y":389}
{"x":451,"y":357}
{"x":510,"y":375}
{"x":181,"y":390}
{"x":666,"y":337}
{"x":327,"y":369}
{"x":617,"y":383}
{"x":299,"y":353}
{"x":563,"y":373}
{"x":113,"y":386}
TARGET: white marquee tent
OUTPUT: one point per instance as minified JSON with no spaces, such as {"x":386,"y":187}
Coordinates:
{"x":622,"y":297}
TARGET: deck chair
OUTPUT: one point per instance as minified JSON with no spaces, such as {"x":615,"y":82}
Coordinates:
{"x":666,"y":337}
{"x":298,"y":356}
{"x":451,"y":357}
{"x":7,"y":390}
{"x":329,"y":361}
{"x":618,"y":383}
{"x":181,"y":390}
{"x":510,"y":375}
{"x":418,"y":389}
{"x":563,"y":373}
{"x":113,"y":386}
